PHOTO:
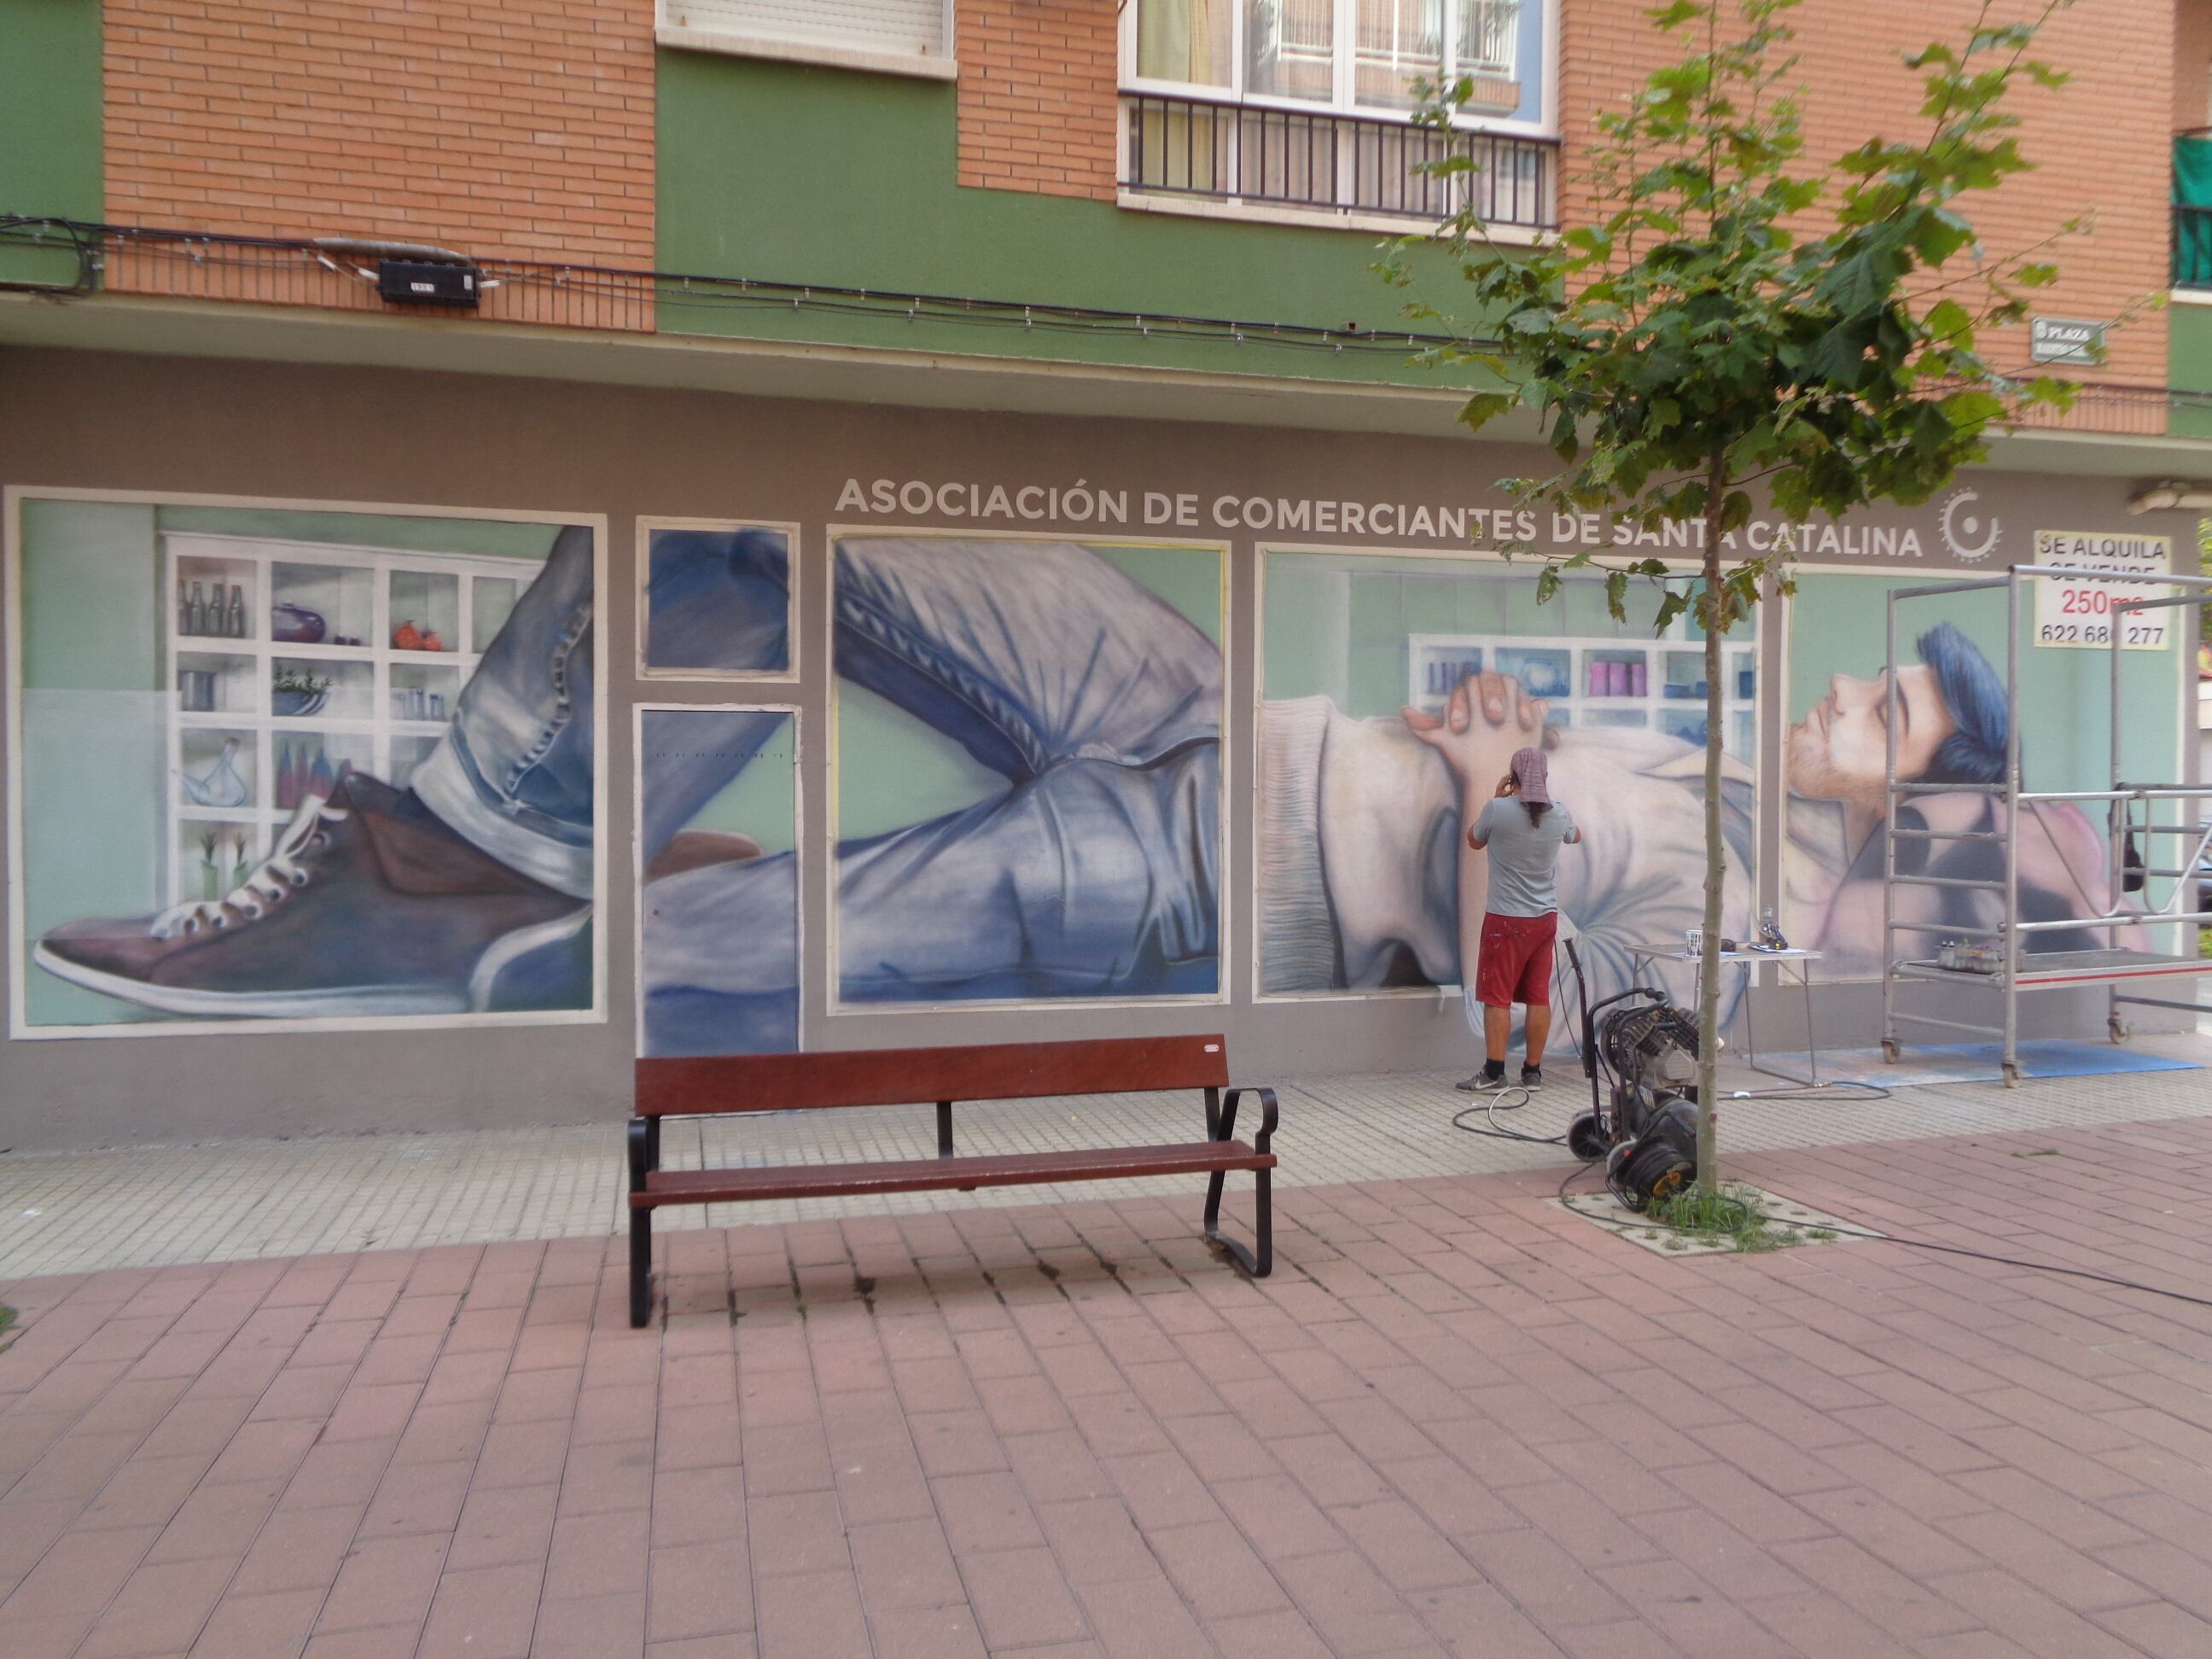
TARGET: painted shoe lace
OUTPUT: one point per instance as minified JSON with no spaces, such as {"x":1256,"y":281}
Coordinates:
{"x":274,"y":879}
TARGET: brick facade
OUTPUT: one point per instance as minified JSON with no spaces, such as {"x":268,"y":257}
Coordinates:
{"x":2192,"y":64}
{"x":1039,"y":96}
{"x":526,"y":131}
{"x":2100,"y":144}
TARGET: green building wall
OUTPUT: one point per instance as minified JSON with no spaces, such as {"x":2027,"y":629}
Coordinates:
{"x":50,"y":127}
{"x":2189,"y":365}
{"x":792,"y":173}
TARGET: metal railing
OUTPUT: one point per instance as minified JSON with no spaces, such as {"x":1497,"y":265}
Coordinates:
{"x":2192,"y":246}
{"x":1325,"y":160}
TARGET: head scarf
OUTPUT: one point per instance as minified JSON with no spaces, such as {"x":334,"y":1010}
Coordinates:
{"x":1530,"y":769}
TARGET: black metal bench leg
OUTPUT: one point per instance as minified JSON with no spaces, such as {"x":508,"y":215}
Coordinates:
{"x":1259,"y":1262}
{"x":1221,"y":1124}
{"x":641,"y":1267}
{"x":644,"y":1157}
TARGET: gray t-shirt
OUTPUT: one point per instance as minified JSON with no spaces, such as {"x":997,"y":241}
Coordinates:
{"x":1524,"y":857}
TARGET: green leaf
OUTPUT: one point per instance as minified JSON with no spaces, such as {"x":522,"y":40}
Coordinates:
{"x":1483,"y":407}
{"x":1947,"y":319}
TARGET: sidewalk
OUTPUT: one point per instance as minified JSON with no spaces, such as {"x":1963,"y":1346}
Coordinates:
{"x":1456,"y":1421}
{"x":235,"y":1200}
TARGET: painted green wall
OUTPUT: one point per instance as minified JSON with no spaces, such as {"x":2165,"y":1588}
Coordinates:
{"x":2189,"y":365}
{"x":50,"y":124}
{"x":792,"y":174}
{"x":761,"y":800}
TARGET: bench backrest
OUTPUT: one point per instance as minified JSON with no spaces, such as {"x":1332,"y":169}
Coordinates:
{"x":894,"y":1077}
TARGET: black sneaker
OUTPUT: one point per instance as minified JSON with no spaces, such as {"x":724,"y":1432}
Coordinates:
{"x":1531,"y":1077}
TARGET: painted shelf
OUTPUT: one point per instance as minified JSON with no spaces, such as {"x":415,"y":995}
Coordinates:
{"x":1597,"y":681}
{"x":238,"y":767}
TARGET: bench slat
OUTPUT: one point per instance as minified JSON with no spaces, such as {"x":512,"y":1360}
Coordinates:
{"x":933,"y":1174}
{"x":895,"y":1076}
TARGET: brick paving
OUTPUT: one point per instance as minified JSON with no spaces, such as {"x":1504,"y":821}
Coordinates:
{"x":1457,"y":1421}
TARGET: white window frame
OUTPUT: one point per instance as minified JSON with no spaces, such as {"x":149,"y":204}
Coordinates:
{"x":1544,"y":126}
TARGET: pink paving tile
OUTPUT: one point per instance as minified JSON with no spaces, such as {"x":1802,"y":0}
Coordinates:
{"x":1020,"y":1598}
{"x":160,"y":1610}
{"x":1216,"y":1570}
{"x":416,"y":1498}
{"x":259,"y":1626}
{"x":597,"y":1555}
{"x":502,"y":1526}
{"x":487,"y":1612}
{"x":811,"y":1616}
{"x":592,"y":1627}
{"x":698,"y":1589}
{"x":303,"y":1549}
{"x":904,"y":1565}
{"x":607,"y":1475}
{"x":939,"y":1632}
{"x":384,"y":1580}
{"x":984,"y":1512}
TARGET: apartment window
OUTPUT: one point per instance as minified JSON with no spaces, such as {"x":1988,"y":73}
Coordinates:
{"x":1352,"y":55}
{"x":1307,"y":105}
{"x":894,"y":36}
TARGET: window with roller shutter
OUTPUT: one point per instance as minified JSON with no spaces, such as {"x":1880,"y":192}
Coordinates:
{"x":896,"y":36}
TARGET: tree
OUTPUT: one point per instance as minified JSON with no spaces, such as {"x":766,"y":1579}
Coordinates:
{"x":1691,"y":340}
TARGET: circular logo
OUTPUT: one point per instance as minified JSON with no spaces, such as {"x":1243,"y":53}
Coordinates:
{"x":1971,"y":535}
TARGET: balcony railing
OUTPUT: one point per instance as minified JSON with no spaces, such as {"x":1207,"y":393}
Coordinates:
{"x":2192,"y":246}
{"x":1326,"y":161}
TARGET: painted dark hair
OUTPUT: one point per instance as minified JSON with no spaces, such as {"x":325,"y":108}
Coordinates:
{"x":1970,"y":690}
{"x":1535,"y":810}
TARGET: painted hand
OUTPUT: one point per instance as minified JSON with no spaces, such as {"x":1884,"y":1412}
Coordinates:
{"x":1484,"y":721}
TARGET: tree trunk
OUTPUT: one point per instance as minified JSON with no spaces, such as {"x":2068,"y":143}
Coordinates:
{"x":1711,"y":615}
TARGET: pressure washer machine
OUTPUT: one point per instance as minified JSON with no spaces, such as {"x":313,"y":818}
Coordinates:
{"x":1643,"y":1119}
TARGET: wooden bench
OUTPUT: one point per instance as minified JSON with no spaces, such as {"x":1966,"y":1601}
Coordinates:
{"x":712,"y":1085}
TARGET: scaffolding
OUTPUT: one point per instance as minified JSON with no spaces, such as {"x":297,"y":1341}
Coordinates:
{"x":2001,"y":960}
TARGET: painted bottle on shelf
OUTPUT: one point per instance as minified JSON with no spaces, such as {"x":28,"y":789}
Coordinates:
{"x":221,"y":785}
{"x":234,"y":620}
{"x":320,"y":778}
{"x":184,"y":608}
{"x":196,"y":612}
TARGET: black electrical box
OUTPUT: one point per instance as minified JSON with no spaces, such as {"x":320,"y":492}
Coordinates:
{"x":425,"y":282}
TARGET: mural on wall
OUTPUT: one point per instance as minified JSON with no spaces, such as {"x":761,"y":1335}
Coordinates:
{"x":1028,"y":769}
{"x":718,"y":798}
{"x":1395,"y":690}
{"x":1953,"y":728}
{"x":717,"y":600}
{"x":282,"y":764}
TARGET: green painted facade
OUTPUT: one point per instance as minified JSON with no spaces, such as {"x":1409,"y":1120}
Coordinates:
{"x":50,"y":126}
{"x":792,"y":174}
{"x":2189,"y":365}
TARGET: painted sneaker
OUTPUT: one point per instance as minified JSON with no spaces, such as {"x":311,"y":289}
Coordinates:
{"x":367,"y":905}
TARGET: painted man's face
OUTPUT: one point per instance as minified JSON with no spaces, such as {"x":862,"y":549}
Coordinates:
{"x":1840,"y":750}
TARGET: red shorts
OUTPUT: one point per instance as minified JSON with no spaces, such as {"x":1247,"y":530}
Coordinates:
{"x":1516,"y":962}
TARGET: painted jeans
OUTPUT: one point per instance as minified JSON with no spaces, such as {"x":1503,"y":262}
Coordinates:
{"x":1094,"y":874}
